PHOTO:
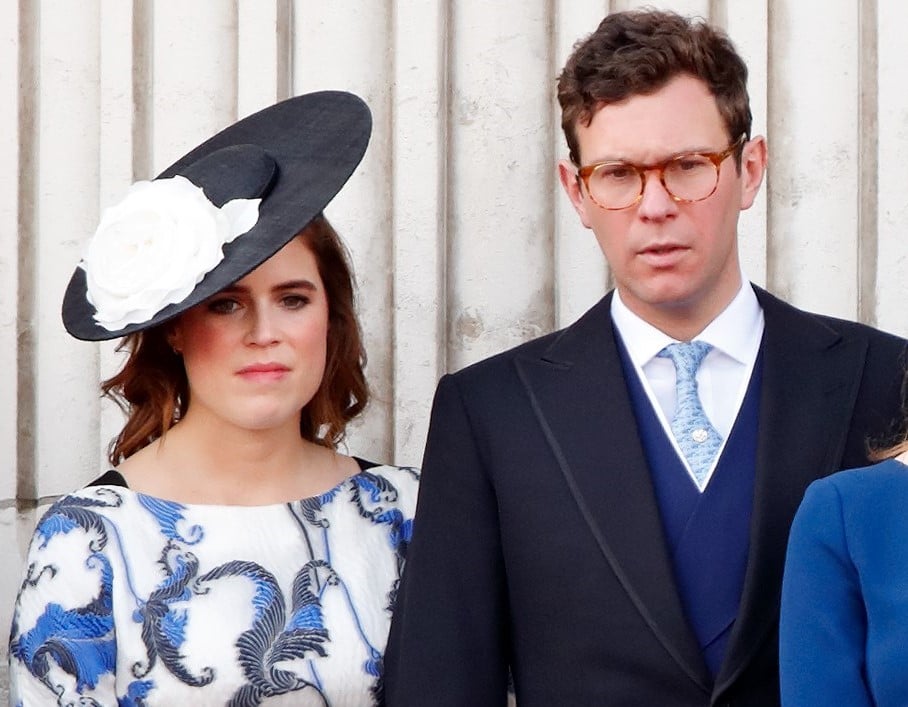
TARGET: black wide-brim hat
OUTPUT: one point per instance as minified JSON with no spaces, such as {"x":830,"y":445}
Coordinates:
{"x":295,"y":156}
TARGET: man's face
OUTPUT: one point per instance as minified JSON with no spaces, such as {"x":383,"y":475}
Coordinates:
{"x":675,"y":264}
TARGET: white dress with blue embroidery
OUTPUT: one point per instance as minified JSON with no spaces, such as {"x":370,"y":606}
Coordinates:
{"x":132,"y":600}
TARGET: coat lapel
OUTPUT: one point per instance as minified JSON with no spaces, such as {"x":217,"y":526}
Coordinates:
{"x":578,"y":392}
{"x":811,"y":376}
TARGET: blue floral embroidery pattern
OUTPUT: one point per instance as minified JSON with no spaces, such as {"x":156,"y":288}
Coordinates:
{"x":80,"y":640}
{"x":71,"y":647}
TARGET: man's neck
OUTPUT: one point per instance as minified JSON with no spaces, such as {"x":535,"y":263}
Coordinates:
{"x":682,"y":321}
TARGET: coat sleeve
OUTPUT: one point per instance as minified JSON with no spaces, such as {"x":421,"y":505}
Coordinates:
{"x":448,"y":638}
{"x":823,"y":627}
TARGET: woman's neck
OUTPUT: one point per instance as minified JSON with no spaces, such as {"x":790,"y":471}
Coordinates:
{"x":199,"y":462}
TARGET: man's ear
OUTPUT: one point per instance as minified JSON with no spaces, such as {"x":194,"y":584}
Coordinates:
{"x":753,"y":167}
{"x":567,"y":174}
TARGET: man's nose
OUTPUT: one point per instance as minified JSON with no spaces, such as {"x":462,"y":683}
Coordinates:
{"x":657,"y":201}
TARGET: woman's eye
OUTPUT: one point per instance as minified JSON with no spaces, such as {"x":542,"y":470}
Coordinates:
{"x":223,"y":306}
{"x":294,"y":301}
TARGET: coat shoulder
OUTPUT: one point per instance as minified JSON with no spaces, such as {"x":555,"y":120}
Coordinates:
{"x":550,"y":347}
{"x":868,"y":485}
{"x":777,"y":310}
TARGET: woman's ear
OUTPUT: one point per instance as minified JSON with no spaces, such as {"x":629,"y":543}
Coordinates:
{"x":175,"y":338}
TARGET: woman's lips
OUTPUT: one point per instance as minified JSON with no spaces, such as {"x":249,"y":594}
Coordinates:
{"x":263,"y":371}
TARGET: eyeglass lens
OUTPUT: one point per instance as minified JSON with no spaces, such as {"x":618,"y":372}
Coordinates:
{"x":689,"y":177}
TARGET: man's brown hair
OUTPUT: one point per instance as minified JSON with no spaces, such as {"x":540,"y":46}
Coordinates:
{"x":639,"y":52}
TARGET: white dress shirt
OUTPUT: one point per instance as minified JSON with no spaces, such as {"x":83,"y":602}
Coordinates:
{"x":723,"y":375}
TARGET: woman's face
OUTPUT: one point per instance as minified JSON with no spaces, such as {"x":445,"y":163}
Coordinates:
{"x":255,"y":352}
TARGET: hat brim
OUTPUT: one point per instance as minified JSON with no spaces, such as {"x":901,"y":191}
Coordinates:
{"x":308,"y":148}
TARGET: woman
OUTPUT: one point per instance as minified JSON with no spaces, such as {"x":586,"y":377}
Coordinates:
{"x":844,"y":623}
{"x":232,"y":556}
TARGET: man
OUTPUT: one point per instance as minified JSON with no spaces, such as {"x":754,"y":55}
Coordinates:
{"x":604,"y":510}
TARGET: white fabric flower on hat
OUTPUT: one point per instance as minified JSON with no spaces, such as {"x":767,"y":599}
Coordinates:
{"x":153,"y":247}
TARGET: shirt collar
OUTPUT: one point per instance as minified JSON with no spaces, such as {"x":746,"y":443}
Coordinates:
{"x":736,"y":331}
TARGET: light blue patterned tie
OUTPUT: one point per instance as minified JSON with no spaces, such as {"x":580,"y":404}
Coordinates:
{"x":693,"y":431}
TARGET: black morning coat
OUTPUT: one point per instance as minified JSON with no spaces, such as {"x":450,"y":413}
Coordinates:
{"x":538,"y":542}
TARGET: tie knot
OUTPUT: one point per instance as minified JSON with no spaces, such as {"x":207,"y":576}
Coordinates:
{"x":686,"y":356}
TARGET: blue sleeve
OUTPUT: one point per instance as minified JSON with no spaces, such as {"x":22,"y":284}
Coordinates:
{"x":62,"y":641}
{"x":823,"y":624}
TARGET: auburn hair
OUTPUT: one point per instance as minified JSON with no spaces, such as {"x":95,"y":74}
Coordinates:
{"x":153,"y":391}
